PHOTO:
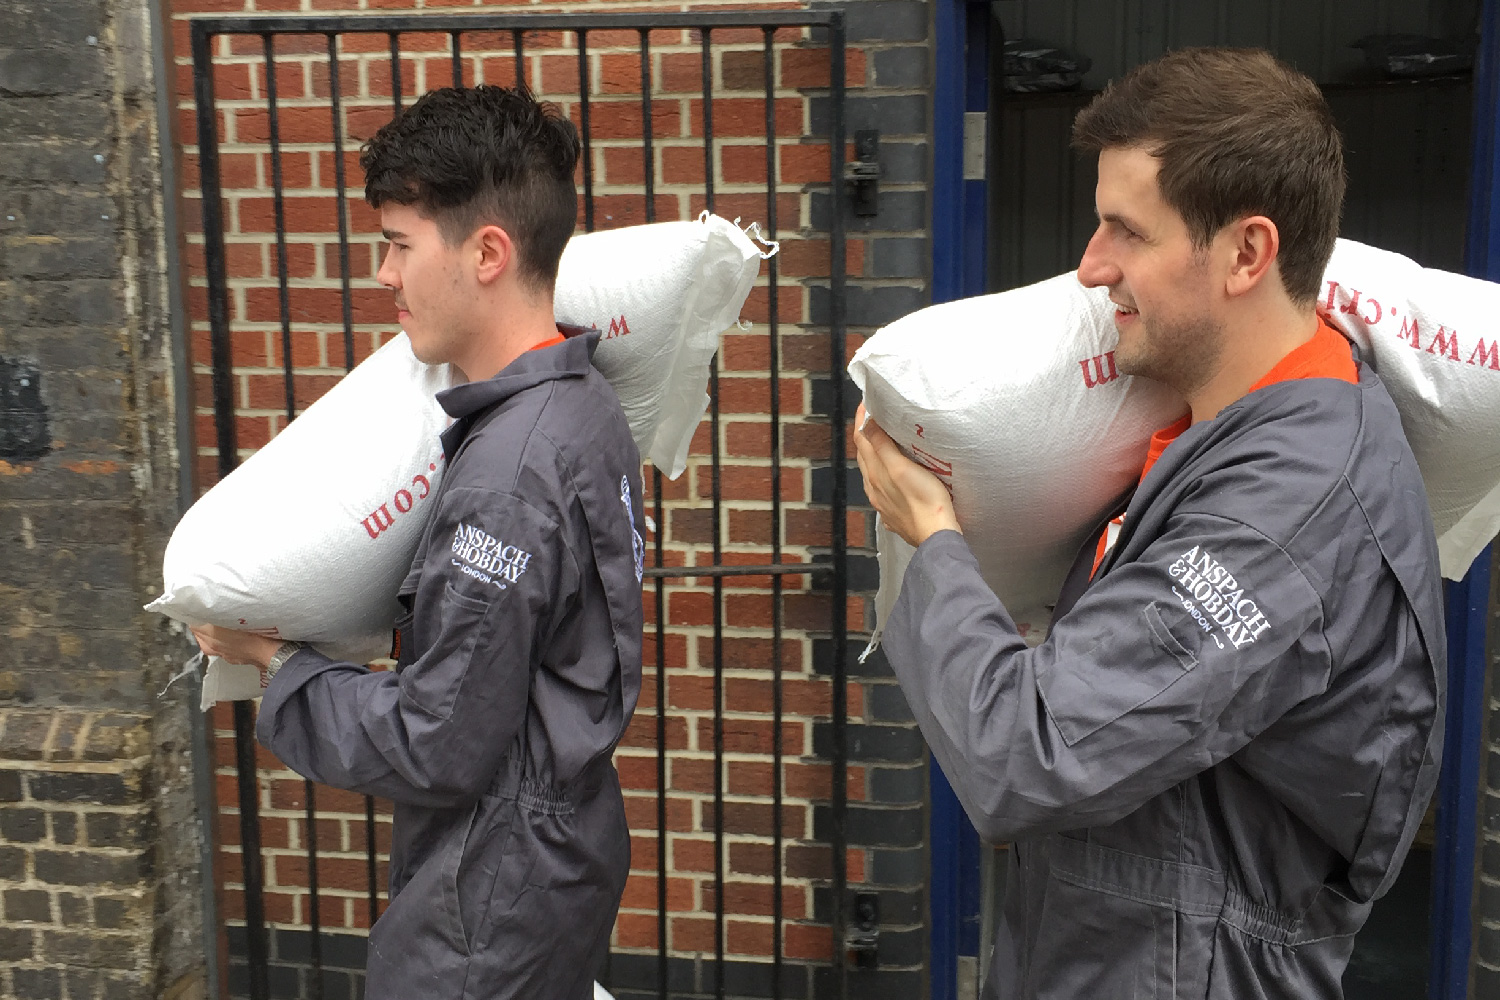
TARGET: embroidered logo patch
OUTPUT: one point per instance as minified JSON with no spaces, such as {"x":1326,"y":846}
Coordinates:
{"x":1215,"y":599}
{"x":637,"y":544}
{"x":486,"y":558}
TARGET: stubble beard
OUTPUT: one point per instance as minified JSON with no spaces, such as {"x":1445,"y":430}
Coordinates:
{"x":1182,"y":353}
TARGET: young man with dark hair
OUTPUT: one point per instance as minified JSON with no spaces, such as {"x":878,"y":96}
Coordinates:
{"x":518,"y":655}
{"x":1219,"y":756}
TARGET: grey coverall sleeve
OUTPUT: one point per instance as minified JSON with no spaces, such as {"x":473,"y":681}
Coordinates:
{"x":1167,"y":665}
{"x":433,"y":734}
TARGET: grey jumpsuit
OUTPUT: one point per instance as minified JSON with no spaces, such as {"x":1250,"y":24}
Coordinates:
{"x":1220,"y":755}
{"x":518,"y":670}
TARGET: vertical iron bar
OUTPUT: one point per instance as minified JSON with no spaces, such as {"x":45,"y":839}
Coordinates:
{"x":706,"y":62}
{"x":256,"y":953}
{"x":279,"y":211}
{"x":583,"y":121}
{"x":458,"y":59}
{"x":647,"y":153}
{"x":395,"y":72}
{"x":314,"y":911}
{"x":646,"y":137}
{"x":839,"y":624}
{"x":279,"y":214}
{"x":223,"y":384}
{"x":343,"y":208}
{"x":775,"y":367}
{"x":518,"y":37}
{"x":374,"y":900}
{"x":661,"y":744}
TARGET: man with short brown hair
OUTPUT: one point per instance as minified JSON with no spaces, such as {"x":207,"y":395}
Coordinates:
{"x":1219,"y":757}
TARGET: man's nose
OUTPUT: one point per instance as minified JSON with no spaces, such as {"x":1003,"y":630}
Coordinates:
{"x":1096,"y":269}
{"x":388,"y":275}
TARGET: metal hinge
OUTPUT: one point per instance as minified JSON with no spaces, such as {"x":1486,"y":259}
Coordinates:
{"x":976,"y":129}
{"x":863,"y":173}
{"x":862,"y":938}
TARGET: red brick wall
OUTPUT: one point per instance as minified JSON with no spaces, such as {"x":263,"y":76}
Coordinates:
{"x":317,"y":352}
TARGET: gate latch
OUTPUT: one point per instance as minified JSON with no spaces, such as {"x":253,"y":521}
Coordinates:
{"x":863,"y":172}
{"x":862,"y":939}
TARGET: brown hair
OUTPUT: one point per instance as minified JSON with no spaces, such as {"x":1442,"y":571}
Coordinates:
{"x":1237,"y":133}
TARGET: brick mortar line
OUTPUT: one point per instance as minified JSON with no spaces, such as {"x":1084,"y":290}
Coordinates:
{"x":75,"y":767}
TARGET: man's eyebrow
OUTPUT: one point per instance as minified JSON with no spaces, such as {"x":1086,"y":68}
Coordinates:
{"x":392,"y":235}
{"x":1119,"y":219}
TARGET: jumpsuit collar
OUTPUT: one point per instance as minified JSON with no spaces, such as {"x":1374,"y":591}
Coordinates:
{"x":569,"y":359}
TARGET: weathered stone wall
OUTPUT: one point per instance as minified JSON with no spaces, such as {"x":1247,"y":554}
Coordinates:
{"x":99,"y":882}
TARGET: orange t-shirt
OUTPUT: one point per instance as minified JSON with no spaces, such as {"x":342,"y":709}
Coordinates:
{"x":548,"y":343}
{"x":1326,"y":355}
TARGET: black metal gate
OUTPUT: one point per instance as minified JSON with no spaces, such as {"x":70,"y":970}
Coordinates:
{"x":269,"y":39}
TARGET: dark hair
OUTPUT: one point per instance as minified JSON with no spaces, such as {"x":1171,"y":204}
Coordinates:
{"x":471,"y":156}
{"x":1237,"y":133}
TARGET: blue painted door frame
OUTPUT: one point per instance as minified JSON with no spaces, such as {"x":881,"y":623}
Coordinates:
{"x":959,"y":226}
{"x":1468,"y":600}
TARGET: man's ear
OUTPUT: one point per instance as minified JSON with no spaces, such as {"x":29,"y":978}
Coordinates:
{"x":1254,"y":244}
{"x":494,"y":253}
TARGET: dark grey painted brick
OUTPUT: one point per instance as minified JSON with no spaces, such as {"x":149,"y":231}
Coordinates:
{"x":885,"y":20}
{"x":906,"y":946}
{"x":28,"y":904}
{"x":886,"y":703}
{"x":897,"y":211}
{"x":898,"y":907}
{"x":866,"y":743}
{"x":31,"y":72}
{"x":104,"y":789}
{"x":875,"y":826}
{"x":862,"y":574}
{"x":65,"y":827}
{"x":903,"y":162}
{"x":892,"y":114}
{"x":898,"y":257}
{"x":898,"y":784}
{"x":640,"y":971}
{"x":64,"y":22}
{"x":854,"y":486}
{"x":890,"y":866}
{"x":65,"y":116}
{"x":23,"y":826}
{"x":74,"y":910}
{"x":10,"y":786}
{"x":80,"y":948}
{"x":1489,"y":945}
{"x":824,"y":651}
{"x":339,"y":951}
{"x":822,"y":402}
{"x":874,"y":984}
{"x":37,"y":984}
{"x":1486,"y":982}
{"x":65,"y":868}
{"x":1491,"y":859}
{"x":53,"y":163}
{"x":756,"y":979}
{"x":110,"y":913}
{"x":902,"y":66}
{"x":125,"y":986}
{"x":865,"y":305}
{"x":17,"y":944}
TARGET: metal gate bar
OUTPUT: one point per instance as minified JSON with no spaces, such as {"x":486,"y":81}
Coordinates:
{"x":203,"y":31}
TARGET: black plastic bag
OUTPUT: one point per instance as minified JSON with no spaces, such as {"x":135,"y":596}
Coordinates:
{"x":1029,"y":66}
{"x":1407,"y":56}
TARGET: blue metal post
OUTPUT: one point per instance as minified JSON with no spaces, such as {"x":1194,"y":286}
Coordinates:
{"x":959,"y":221}
{"x":1467,"y":600}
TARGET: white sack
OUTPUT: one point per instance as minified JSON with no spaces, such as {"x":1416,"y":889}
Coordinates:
{"x":661,"y":295}
{"x":310,"y":537}
{"x":1433,"y":337}
{"x":1000,"y":395}
{"x":1022,"y":412}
